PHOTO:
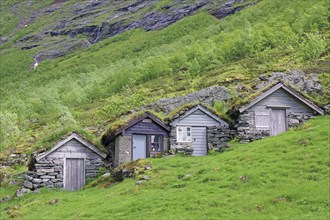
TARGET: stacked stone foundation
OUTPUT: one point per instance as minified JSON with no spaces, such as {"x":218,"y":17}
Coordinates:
{"x":50,"y":172}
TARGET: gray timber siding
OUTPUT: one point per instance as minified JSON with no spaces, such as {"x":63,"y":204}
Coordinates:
{"x":199,"y":141}
{"x":146,"y":128}
{"x":272,"y":115}
{"x":74,"y":174}
{"x":73,"y":149}
{"x":281,"y":98}
{"x":66,"y":165}
{"x":199,"y":121}
{"x":198,"y":118}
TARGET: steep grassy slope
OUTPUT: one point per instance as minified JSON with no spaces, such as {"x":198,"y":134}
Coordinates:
{"x":283,"y":177}
{"x":83,"y":90}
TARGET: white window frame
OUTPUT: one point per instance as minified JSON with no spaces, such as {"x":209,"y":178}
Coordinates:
{"x":183,"y":131}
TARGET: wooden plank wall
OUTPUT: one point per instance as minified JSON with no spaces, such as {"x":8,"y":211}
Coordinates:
{"x":74,"y":174}
{"x":281,"y":98}
{"x":198,"y":118}
{"x":73,"y":149}
{"x":146,"y":127}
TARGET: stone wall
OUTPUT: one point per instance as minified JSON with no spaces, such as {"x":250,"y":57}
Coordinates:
{"x":247,"y":132}
{"x":176,"y":147}
{"x":296,"y":118}
{"x":49,"y":172}
{"x":218,"y":138}
{"x":124,"y":149}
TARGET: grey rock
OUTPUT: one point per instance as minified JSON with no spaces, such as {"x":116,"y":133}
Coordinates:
{"x":6,"y":198}
{"x":36,"y":180}
{"x":47,"y":177}
{"x":22,"y":191}
{"x":304,"y":82}
{"x":106,"y":175}
{"x":145,"y":178}
{"x":140,"y":182}
{"x":59,"y":184}
{"x":45,"y":170}
{"x":28,"y":184}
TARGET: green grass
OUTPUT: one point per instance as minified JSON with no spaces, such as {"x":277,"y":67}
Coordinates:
{"x":136,"y":68}
{"x":282,"y":177}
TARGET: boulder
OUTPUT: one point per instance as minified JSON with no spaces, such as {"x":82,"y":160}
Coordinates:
{"x":27,"y":184}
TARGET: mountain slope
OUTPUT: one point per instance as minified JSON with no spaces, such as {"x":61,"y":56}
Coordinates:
{"x":132,"y":69}
{"x":281,"y":177}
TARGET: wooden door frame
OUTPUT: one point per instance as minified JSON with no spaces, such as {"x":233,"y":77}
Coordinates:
{"x":148,"y":142}
{"x":271,"y":117}
{"x":206,"y":140}
{"x":64,"y":168}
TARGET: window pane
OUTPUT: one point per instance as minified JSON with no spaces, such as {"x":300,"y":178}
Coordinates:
{"x":156,"y":142}
{"x":184,"y":134}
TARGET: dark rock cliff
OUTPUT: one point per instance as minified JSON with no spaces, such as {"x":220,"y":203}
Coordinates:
{"x":79,"y":25}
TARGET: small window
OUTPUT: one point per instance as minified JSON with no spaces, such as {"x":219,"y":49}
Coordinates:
{"x":156,"y":143}
{"x":184,"y":134}
{"x":146,"y":120}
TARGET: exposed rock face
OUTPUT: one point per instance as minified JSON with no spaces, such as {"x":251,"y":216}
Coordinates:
{"x":98,"y":20}
{"x":305,"y":82}
{"x":206,"y":96}
{"x":229,"y":8}
{"x":14,"y":158}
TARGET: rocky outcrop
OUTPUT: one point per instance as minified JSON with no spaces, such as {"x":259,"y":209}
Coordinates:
{"x":98,"y":20}
{"x":308,"y":83}
{"x":229,"y":8}
{"x":206,"y":96}
{"x":14,"y":158}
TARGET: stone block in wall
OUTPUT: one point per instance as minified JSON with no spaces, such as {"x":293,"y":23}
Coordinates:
{"x":45,"y":170}
{"x":28,"y":177}
{"x":47,"y":177}
{"x":44,"y":165}
{"x":36,"y":180}
{"x":59,"y":184}
{"x":28,"y":184}
{"x":56,"y":180}
{"x":36,"y":186}
{"x":125,"y":153}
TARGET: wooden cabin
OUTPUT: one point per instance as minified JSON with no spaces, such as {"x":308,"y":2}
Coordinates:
{"x":189,"y":130}
{"x":66,"y":165}
{"x":143,"y":137}
{"x":273,"y":112}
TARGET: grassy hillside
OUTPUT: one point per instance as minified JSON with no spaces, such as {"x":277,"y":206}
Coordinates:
{"x":82,"y":90}
{"x":283,"y":177}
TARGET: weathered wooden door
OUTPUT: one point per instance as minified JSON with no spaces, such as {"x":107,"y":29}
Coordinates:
{"x":199,"y":141}
{"x":74,"y":174}
{"x":139,"y":146}
{"x":278,"y":121}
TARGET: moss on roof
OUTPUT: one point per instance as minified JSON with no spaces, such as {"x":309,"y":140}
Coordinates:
{"x":171,"y":116}
{"x":112,"y":128}
{"x":244,"y":101}
{"x":50,"y":141}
